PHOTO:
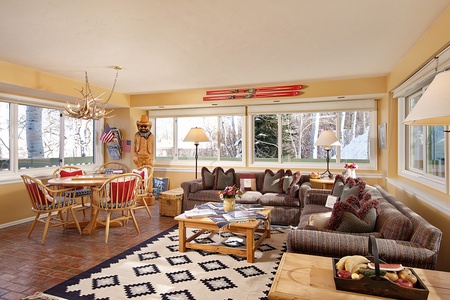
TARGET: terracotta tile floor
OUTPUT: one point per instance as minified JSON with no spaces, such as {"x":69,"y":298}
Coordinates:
{"x":26,"y":266}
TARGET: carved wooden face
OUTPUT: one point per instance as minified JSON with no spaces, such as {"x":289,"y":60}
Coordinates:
{"x":144,"y":127}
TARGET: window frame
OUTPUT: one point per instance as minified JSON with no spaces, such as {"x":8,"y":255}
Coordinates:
{"x":314,"y":107}
{"x":248,"y":113}
{"x":13,"y":175}
{"x":416,"y":82}
{"x":200,"y":112}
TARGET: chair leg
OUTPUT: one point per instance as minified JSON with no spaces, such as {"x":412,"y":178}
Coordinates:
{"x":134,"y":221}
{"x":147,"y":208}
{"x":83,"y":207}
{"x":34,"y":224}
{"x":75,"y":219}
{"x":47,"y":225}
{"x":108,"y":220}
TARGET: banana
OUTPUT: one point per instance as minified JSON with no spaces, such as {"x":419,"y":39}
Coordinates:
{"x":341,"y":263}
{"x":359,"y":267}
{"x":355,"y":260}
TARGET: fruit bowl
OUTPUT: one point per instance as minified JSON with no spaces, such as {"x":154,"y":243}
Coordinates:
{"x":377,"y":285}
{"x":314,"y":175}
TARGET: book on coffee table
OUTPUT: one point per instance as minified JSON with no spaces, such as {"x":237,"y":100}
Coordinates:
{"x":199,"y":213}
{"x":254,"y":206}
{"x":239,"y":215}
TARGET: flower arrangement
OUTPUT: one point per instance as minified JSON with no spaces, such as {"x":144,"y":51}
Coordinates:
{"x":230,"y":192}
{"x":350,"y":166}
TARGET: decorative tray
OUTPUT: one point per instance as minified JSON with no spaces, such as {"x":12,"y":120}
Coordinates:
{"x":377,"y":285}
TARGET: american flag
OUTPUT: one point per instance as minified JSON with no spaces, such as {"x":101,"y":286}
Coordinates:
{"x":126,"y":146}
{"x":107,"y":135}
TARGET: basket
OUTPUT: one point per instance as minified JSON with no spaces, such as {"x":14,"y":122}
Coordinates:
{"x":171,"y":202}
{"x":377,"y":285}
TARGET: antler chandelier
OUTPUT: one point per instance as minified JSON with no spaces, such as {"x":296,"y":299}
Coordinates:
{"x":90,"y":107}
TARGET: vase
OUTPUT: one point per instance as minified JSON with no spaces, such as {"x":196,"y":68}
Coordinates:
{"x":351,"y":173}
{"x":228,"y":204}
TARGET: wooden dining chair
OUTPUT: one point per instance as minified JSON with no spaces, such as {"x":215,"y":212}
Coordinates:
{"x":146,"y":172}
{"x":112,"y":167}
{"x":81,"y":191}
{"x":117,"y":196}
{"x":52,"y":202}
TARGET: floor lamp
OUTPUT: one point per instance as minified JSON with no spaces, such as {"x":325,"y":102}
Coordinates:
{"x":327,"y":139}
{"x":196,"y":135}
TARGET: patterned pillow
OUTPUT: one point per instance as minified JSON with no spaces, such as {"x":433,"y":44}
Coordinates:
{"x":208,"y":178}
{"x":273,"y":182}
{"x":345,"y":187}
{"x":289,"y":180}
{"x":247,"y":182}
{"x":354,"y":216}
{"x":224,"y":179}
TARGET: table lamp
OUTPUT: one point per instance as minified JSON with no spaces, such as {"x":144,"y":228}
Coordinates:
{"x":196,"y":135}
{"x":327,"y":139}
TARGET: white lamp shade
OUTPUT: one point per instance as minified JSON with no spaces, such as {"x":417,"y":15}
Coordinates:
{"x":196,"y":135}
{"x":433,"y":108}
{"x":327,"y":138}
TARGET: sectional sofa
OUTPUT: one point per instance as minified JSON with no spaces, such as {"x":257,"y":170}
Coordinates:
{"x":402,"y":235}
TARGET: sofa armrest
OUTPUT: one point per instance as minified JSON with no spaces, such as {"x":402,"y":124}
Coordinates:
{"x":316,"y":196}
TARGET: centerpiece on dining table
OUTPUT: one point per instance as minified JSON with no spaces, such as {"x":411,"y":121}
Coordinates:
{"x":229,"y":196}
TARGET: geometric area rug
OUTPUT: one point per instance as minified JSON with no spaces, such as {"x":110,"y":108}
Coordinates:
{"x":155,"y":269}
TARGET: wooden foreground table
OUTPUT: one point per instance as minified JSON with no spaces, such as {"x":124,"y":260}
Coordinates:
{"x":302,"y":276}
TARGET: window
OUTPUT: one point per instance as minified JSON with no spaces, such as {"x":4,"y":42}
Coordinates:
{"x":224,"y":128}
{"x":42,"y":138}
{"x":422,"y":150}
{"x":279,"y":134}
{"x":299,"y":131}
{"x":4,"y":136}
{"x":425,"y":145}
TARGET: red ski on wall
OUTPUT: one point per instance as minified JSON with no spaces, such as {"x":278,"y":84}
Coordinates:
{"x":261,"y":92}
{"x":249,"y":96}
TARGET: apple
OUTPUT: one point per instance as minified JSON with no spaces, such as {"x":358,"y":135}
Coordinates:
{"x":404,"y":282}
{"x":344,"y":274}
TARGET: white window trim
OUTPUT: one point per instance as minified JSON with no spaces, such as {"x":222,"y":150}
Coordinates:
{"x":338,"y":106}
{"x":13,"y":175}
{"x":199,"y":112}
{"x":417,"y":81}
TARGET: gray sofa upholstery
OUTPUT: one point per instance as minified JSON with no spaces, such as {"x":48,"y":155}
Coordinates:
{"x":287,"y":206}
{"x":402,"y":235}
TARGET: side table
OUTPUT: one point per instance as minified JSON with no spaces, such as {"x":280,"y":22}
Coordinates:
{"x":322,"y":183}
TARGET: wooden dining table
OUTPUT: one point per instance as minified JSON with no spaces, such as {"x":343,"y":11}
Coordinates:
{"x":90,"y":181}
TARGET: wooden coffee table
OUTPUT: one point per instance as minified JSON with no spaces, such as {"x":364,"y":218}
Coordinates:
{"x":205,"y":224}
{"x":302,"y":276}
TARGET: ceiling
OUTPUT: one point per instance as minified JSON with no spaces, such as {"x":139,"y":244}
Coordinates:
{"x":179,"y":45}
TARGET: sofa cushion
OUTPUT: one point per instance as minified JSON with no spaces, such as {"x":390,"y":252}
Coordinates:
{"x":278,"y":200}
{"x":247,"y":182}
{"x":208,"y":178}
{"x":354,"y":216}
{"x":273,"y":182}
{"x":319,"y":220}
{"x":224,"y":179}
{"x":392,"y":224}
{"x":290,"y":179}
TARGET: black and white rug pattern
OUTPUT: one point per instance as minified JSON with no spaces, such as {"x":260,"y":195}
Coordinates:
{"x":156,"y":269}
